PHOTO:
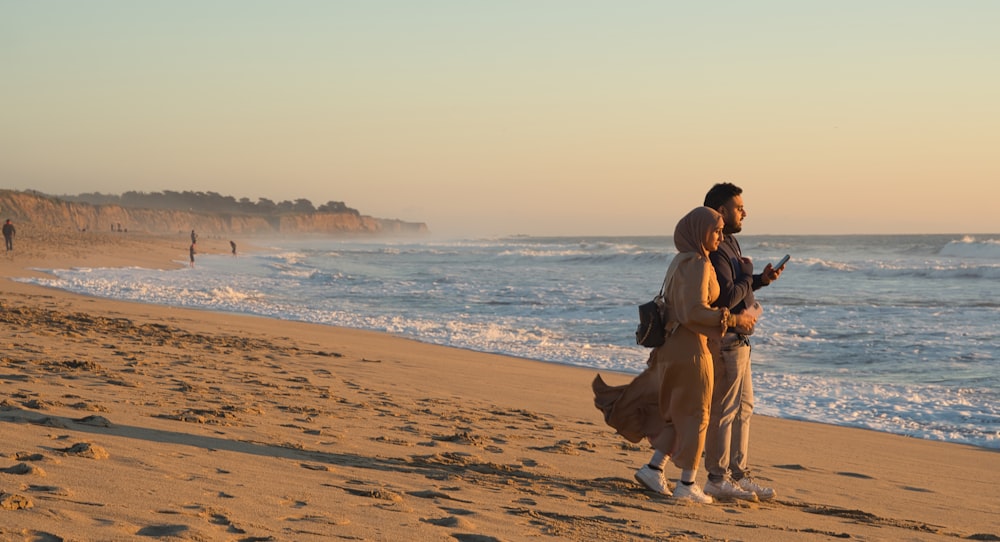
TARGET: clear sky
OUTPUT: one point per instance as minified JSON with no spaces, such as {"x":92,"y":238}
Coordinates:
{"x":541,"y":117}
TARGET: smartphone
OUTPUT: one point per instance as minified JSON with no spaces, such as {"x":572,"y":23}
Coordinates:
{"x":782,"y":262}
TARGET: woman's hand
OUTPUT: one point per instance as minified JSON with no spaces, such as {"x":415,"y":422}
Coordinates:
{"x":745,"y":320}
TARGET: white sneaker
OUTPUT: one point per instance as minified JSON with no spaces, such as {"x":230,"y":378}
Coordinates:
{"x":727,"y":490}
{"x":652,"y":479}
{"x":692,"y":493}
{"x":763,"y":493}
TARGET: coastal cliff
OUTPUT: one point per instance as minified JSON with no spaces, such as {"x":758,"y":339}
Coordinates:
{"x":49,"y":212}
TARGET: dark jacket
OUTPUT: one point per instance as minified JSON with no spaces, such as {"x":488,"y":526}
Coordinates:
{"x":736,"y":279}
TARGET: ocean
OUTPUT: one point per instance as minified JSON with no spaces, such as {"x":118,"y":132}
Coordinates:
{"x":894,"y":333}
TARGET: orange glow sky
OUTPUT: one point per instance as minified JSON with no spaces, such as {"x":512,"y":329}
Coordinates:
{"x":559,"y":117}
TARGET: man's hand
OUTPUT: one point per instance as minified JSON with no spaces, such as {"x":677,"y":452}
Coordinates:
{"x":770,"y":274}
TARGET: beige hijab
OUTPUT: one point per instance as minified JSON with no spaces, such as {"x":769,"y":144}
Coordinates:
{"x":691,"y":231}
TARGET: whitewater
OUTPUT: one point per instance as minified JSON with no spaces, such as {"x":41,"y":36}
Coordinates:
{"x":891,"y":333}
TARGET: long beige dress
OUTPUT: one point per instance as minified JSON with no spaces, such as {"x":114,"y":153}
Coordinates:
{"x":669,"y":402}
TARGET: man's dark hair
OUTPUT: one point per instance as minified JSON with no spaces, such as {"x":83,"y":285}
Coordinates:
{"x":720,"y":194}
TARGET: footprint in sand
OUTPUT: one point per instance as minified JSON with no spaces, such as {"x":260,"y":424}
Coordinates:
{"x":475,"y":538}
{"x":379,"y":493}
{"x":221,"y":518}
{"x":459,"y":511}
{"x":322,"y":518}
{"x":38,"y":404}
{"x":431,"y":494}
{"x":23,"y":469}
{"x":26,"y":456}
{"x":94,"y":421}
{"x":86,"y":449}
{"x":51,"y":490}
{"x":791,"y":467}
{"x":390,"y":440}
{"x":162,"y":530}
{"x":450,"y":521}
{"x":567,"y":447}
{"x":83,"y":405}
{"x":12,"y":501}
{"x":856,"y":475}
{"x":917,"y":489}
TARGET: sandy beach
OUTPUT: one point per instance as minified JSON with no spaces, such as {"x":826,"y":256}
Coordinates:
{"x":124,"y":421}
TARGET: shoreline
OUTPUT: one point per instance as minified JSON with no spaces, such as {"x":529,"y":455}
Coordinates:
{"x":773,"y":400}
{"x":219,"y":426}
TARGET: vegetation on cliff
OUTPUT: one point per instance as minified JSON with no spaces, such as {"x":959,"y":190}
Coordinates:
{"x":209,"y":202}
{"x":206,"y":212}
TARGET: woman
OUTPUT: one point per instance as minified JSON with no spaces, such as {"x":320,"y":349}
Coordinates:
{"x":669,"y":402}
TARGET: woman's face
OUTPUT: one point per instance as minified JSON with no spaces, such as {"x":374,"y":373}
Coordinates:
{"x":714,"y":237}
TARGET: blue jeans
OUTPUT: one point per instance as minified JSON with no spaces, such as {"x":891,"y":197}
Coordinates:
{"x":727,"y":440}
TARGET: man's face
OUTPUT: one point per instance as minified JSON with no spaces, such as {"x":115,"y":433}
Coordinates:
{"x":733,"y":213}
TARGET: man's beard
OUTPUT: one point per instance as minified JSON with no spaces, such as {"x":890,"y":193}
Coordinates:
{"x":729,"y":230}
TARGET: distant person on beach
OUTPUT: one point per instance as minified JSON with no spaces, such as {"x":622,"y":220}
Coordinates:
{"x":194,"y":237}
{"x":728,"y":440}
{"x":668,"y":403}
{"x":233,"y":244}
{"x":8,"y":234}
{"x":191,"y":253}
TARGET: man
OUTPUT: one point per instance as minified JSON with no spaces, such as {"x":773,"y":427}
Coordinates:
{"x":728,"y":437}
{"x":8,"y":234}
